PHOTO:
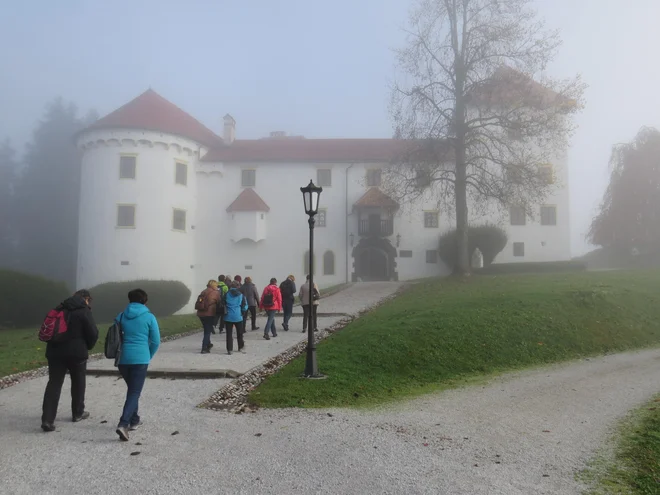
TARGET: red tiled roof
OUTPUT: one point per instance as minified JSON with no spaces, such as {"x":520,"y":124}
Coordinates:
{"x":509,"y":86}
{"x":152,"y":112}
{"x":374,"y":197}
{"x":310,"y":150}
{"x":248,"y":200}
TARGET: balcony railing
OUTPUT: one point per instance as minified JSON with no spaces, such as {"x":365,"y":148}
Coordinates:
{"x":382,"y":228}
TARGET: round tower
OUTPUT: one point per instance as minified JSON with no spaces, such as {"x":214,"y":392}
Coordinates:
{"x":138,"y":195}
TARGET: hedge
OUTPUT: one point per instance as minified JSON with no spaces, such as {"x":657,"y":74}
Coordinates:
{"x":25,"y":299}
{"x":166,"y":297}
{"x":533,"y":267}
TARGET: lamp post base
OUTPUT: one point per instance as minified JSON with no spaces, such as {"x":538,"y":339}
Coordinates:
{"x":318,"y":376}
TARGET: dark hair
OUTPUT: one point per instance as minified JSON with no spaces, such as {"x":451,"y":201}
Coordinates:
{"x":138,"y":296}
{"x":273,"y":281}
{"x":84,"y":293}
{"x":238,"y":278}
{"x":307,"y":277}
{"x":221,"y":278}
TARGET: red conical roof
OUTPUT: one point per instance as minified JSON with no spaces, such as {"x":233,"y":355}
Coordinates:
{"x":152,"y":112}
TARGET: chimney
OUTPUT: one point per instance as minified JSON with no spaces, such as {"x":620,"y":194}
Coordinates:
{"x":230,"y":129}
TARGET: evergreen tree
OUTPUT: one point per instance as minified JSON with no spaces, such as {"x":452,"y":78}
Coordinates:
{"x":47,"y":196}
{"x":8,"y":172}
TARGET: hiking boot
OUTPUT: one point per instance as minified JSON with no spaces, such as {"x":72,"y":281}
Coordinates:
{"x":266,"y":337}
{"x":47,"y":427}
{"x":135,"y":426}
{"x":206,"y":350}
{"x":229,"y":352}
{"x":84,"y":415}
{"x":255,"y":328}
{"x":274,"y":335}
{"x":122,"y":431}
{"x":210,"y":347}
{"x":242,"y":350}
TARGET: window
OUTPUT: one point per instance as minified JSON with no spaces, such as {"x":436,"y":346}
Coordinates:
{"x":374,"y":177}
{"x":248,"y":178}
{"x":125,"y":216}
{"x":519,"y":249}
{"x":306,"y":263}
{"x":517,"y":215}
{"x":329,"y":263}
{"x":548,"y":215}
{"x":324,"y":177}
{"x":547,"y":174}
{"x":431,"y":219}
{"x":127,"y":166}
{"x":181,"y":175}
{"x":405,"y":254}
{"x":320,"y":218}
{"x":432,"y":256}
{"x":422,"y":178}
{"x":179,"y":220}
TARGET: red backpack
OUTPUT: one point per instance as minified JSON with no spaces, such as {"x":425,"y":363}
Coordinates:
{"x":54,"y":326}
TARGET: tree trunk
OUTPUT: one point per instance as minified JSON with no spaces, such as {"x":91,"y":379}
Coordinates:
{"x":460,"y":194}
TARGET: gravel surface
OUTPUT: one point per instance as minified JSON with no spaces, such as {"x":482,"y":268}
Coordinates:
{"x":523,"y":433}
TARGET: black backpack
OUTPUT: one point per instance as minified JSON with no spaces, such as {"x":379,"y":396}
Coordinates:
{"x":286,"y":289}
{"x":113,"y":339}
{"x":268,"y":298}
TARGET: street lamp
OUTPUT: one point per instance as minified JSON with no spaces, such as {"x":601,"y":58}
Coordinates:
{"x":311,"y":195}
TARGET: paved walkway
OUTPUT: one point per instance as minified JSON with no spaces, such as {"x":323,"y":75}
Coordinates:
{"x":183,"y":355}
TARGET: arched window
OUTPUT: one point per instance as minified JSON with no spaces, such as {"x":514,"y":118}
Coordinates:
{"x":329,"y":263}
{"x":306,"y":263}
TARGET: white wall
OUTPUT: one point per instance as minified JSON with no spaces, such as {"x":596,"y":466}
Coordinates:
{"x":206,"y":249}
{"x":153,"y":249}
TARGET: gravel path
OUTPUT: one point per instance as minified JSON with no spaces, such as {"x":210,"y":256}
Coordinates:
{"x":523,"y":433}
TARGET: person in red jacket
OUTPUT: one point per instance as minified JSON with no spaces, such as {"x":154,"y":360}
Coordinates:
{"x":271,"y":302}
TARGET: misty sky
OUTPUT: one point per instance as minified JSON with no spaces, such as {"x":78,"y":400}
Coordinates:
{"x":315,"y":68}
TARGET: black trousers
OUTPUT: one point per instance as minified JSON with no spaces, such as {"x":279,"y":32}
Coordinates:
{"x":57,"y":369}
{"x":306,"y":315}
{"x":253,"y":316}
{"x":229,"y":325}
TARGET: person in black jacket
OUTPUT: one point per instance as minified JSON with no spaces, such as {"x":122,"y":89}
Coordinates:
{"x":288,"y":291}
{"x":70,"y":354}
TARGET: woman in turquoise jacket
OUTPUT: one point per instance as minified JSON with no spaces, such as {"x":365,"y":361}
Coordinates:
{"x":140,"y":341}
{"x":235,"y":306}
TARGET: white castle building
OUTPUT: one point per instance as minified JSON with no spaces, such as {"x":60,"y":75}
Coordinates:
{"x":165,"y":198}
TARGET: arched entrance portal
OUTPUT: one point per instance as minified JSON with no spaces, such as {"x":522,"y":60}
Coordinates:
{"x":374,"y":260}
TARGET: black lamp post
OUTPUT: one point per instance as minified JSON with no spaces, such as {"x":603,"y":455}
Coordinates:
{"x":311,"y":195}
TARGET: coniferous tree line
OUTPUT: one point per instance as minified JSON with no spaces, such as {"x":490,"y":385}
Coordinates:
{"x":39,"y":196}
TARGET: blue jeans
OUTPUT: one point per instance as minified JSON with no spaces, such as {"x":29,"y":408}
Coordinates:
{"x":207,"y":324}
{"x":287,"y":309}
{"x":134,"y":375}
{"x":270,"y":323}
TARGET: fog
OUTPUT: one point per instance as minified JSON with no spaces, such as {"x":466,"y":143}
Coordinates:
{"x":318,"y":69}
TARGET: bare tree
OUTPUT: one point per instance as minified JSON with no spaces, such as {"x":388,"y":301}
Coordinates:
{"x":476,"y":124}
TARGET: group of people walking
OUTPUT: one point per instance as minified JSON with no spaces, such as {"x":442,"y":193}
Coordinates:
{"x":226,"y":303}
{"x":140,"y":339}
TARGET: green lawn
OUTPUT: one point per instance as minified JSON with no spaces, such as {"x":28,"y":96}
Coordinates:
{"x":21,"y":349}
{"x":635,"y":466}
{"x":442,"y":332}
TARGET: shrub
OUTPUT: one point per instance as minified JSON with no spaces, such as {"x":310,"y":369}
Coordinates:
{"x":534,"y":267}
{"x":490,"y":239}
{"x":166,"y":297}
{"x":25,"y":299}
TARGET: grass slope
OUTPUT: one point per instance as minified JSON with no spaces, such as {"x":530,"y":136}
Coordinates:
{"x":21,"y":350}
{"x":634,"y":467}
{"x":444,"y":331}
